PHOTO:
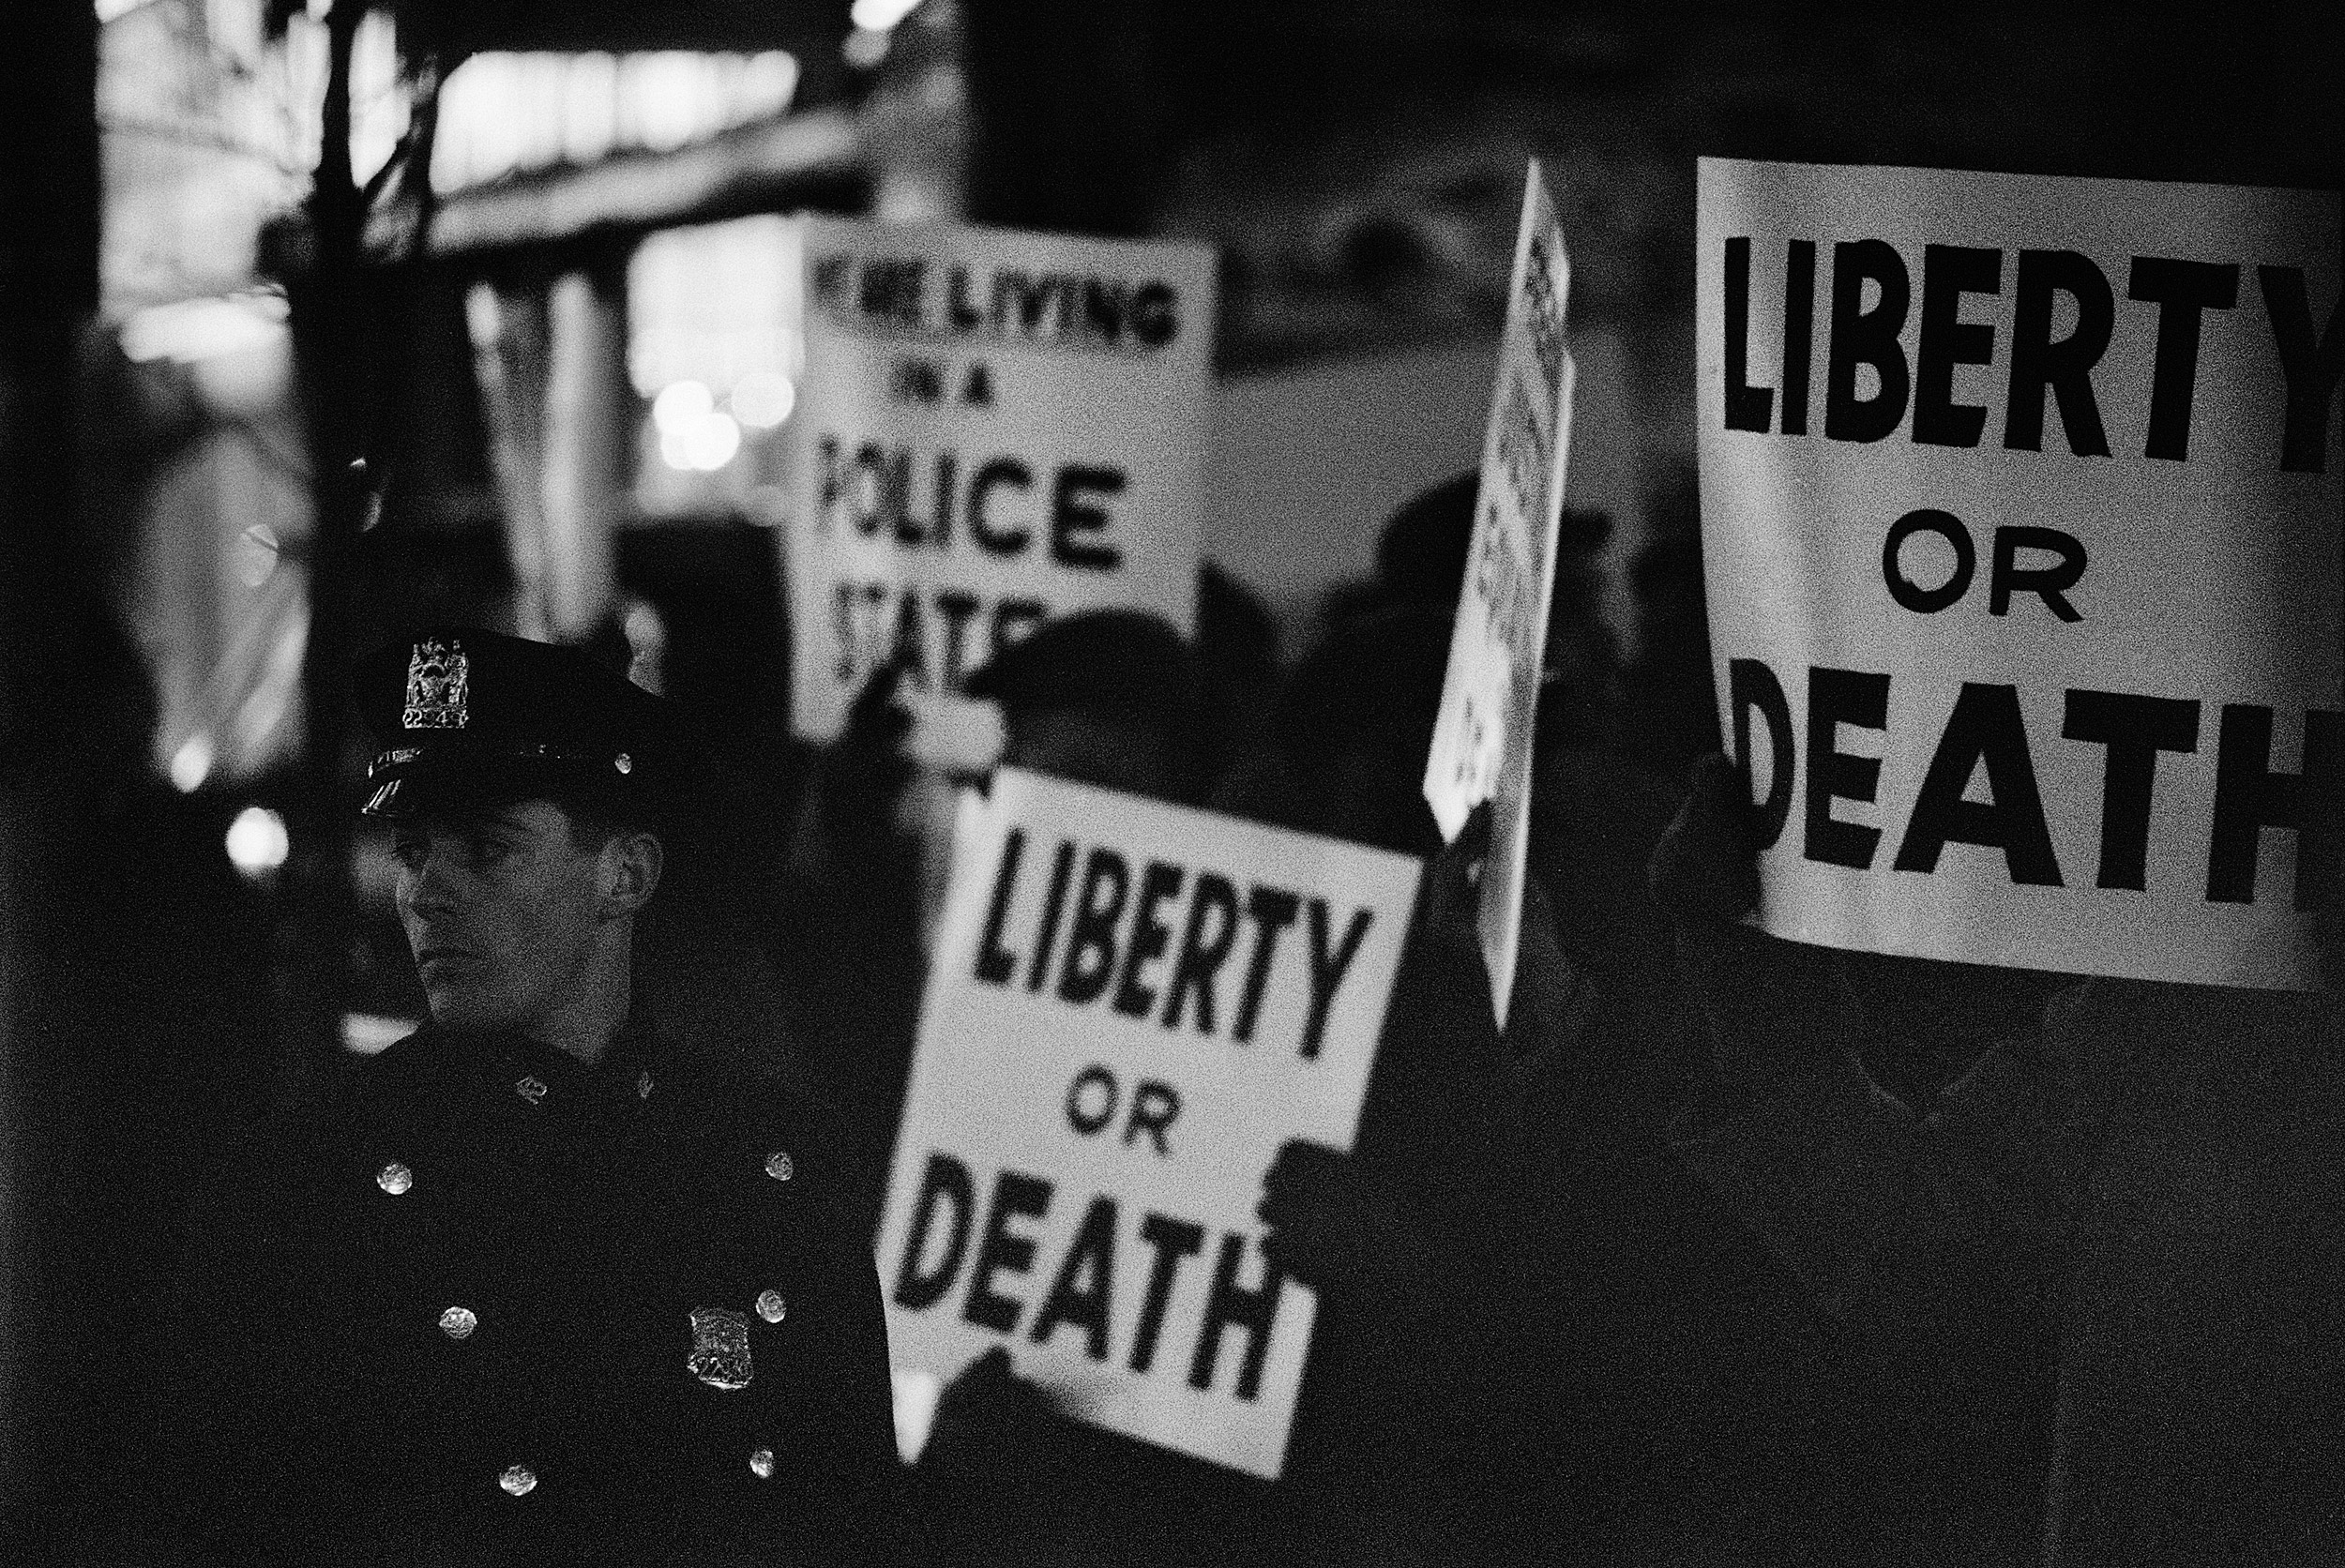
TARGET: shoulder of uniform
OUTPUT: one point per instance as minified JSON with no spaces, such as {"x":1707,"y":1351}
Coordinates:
{"x":416,"y":1059}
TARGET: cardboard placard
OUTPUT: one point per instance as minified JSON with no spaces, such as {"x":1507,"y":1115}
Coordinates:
{"x":995,"y":428}
{"x":1132,"y":1006}
{"x":2020,"y":523}
{"x":1482,"y":740}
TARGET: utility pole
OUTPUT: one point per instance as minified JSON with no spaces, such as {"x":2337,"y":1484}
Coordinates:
{"x":331,"y":331}
{"x":48,"y":296}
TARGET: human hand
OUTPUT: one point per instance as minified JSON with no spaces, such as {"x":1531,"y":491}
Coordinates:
{"x":1706,"y":867}
{"x":987,"y":1411}
{"x":865,"y":772}
{"x":1332,"y":1225}
{"x":1914,"y":1024}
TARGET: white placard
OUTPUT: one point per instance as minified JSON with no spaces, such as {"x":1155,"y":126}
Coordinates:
{"x":1482,"y":740}
{"x":2020,"y":522}
{"x":1132,"y":1006}
{"x":995,"y":428}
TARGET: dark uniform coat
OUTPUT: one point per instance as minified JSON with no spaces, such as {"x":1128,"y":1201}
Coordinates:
{"x":489,"y":1308}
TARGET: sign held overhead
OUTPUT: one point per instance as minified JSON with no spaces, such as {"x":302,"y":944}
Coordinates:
{"x":2021,"y":518}
{"x":1132,"y":1007}
{"x":1482,"y":739}
{"x":997,"y":427}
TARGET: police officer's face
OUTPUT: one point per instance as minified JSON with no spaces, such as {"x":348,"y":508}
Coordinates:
{"x":502,"y":910}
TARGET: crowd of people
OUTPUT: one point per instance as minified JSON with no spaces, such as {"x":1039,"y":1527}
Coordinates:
{"x":1727,"y":1249}
{"x":1724,"y":1250}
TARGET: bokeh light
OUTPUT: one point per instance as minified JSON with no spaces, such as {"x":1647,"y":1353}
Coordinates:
{"x":682,"y":405}
{"x":257,"y":842}
{"x":763,"y":399}
{"x":191,"y":764}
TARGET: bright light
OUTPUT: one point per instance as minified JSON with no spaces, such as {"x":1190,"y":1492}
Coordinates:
{"x":878,"y":15}
{"x":711,"y":443}
{"x":191,"y":764}
{"x":704,"y":447}
{"x":763,"y":399}
{"x":865,"y":47}
{"x":256,"y":841}
{"x":682,"y":406}
{"x":500,"y":113}
{"x":188,"y":330}
{"x":692,"y":434}
{"x":713,"y":302}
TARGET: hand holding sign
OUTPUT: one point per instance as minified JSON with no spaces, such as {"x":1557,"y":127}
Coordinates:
{"x":1334,"y":1226}
{"x":865,"y":771}
{"x":995,"y":428}
{"x":1481,"y":748}
{"x":1914,"y":1025}
{"x":1132,"y":1007}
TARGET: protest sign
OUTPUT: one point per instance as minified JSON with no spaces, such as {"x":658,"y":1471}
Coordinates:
{"x":1132,"y":1006}
{"x":995,"y":428}
{"x":2020,"y":523}
{"x":1490,"y":697}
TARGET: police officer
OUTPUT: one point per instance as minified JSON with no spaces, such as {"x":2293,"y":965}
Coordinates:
{"x":544,"y":1284}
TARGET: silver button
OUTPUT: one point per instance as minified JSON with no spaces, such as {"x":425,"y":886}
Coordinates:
{"x":530,"y":1089}
{"x":762,"y":1464}
{"x":624,"y":762}
{"x":771,"y":1307}
{"x":458,"y":1322}
{"x":779,"y":1166}
{"x":394,"y":1178}
{"x":518,"y":1480}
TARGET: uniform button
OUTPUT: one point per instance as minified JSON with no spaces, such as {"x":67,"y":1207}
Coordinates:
{"x":530,"y":1089}
{"x":771,"y":1307}
{"x":762,"y":1464}
{"x":518,"y":1480}
{"x":458,"y":1322}
{"x":394,"y":1178}
{"x":779,"y":1166}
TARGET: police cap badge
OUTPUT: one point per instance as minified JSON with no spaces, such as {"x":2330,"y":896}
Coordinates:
{"x":467,"y":717}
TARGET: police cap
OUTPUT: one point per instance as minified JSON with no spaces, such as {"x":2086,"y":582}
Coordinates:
{"x":465,"y":718}
{"x":1126,"y":661}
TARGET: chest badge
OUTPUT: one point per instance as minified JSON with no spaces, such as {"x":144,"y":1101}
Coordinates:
{"x":530,"y":1089}
{"x":720,"y":1348}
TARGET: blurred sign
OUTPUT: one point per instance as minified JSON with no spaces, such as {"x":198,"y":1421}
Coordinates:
{"x":1482,"y":739}
{"x":993,"y":428}
{"x":1132,"y":1006}
{"x":2020,"y":516}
